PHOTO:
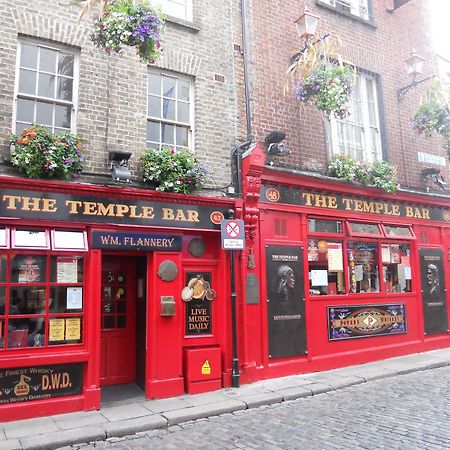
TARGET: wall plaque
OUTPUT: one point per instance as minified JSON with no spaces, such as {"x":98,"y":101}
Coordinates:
{"x":40,"y":382}
{"x":286,"y":305}
{"x":356,"y":321}
{"x":434,"y":302}
{"x":167,"y":270}
{"x":251,"y":289}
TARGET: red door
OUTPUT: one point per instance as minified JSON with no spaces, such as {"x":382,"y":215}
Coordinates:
{"x":118,"y":313}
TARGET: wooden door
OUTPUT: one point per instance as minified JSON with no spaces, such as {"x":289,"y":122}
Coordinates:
{"x":118,"y":319}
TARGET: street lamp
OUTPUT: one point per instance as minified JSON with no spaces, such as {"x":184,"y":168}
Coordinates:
{"x":414,"y":66}
{"x":306,"y":24}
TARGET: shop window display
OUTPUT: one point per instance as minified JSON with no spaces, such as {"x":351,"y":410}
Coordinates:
{"x":363,"y":267}
{"x":396,"y":267}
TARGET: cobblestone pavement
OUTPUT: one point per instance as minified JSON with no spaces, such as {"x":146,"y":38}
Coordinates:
{"x":406,"y":412}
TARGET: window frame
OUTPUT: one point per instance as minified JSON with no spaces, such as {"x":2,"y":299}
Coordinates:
{"x":340,"y":7}
{"x":334,"y":145}
{"x":162,"y":121}
{"x":73,"y":104}
{"x":188,"y":5}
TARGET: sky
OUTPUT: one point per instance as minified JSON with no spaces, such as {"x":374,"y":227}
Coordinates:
{"x":440,"y":15}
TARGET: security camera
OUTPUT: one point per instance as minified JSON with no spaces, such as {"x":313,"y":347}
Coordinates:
{"x":278,"y":149}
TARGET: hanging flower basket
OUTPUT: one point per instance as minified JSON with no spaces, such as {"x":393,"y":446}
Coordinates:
{"x":432,"y":117}
{"x":41,"y":154}
{"x":379,"y":174}
{"x":319,"y":76}
{"x":329,"y":87}
{"x":172,"y":171}
{"x":129,"y":23}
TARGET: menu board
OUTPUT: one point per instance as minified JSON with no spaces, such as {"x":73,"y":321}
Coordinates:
{"x":74,"y":298}
{"x":66,"y":271}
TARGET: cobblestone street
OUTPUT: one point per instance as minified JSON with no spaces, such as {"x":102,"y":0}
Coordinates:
{"x":405,"y":412}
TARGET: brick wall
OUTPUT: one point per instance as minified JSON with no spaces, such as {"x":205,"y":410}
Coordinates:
{"x":380,"y":47}
{"x":112,"y":100}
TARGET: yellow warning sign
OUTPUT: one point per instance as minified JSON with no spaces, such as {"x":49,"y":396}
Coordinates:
{"x":206,"y":368}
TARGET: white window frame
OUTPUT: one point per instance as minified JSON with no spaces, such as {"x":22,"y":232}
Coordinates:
{"x":370,"y":151}
{"x":359,"y":8}
{"x":189,"y":125}
{"x":75,"y":85}
{"x":167,"y":8}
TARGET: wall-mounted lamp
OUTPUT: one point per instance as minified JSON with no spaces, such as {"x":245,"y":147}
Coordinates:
{"x":306,"y":24}
{"x":120,"y":167}
{"x":274,"y":145}
{"x":414,"y":66}
{"x":433,"y":175}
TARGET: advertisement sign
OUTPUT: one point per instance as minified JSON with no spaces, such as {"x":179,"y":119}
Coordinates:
{"x":433,"y":290}
{"x":286,"y":304}
{"x":347,"y":322}
{"x":199,"y":308}
{"x":40,"y":382}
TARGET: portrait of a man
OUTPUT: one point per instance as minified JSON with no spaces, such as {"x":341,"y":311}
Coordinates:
{"x":286,"y":281}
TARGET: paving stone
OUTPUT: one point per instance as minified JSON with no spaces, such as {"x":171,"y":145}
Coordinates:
{"x":166,"y":404}
{"x":10,"y":444}
{"x":320,"y":388}
{"x":21,"y":428}
{"x":79,"y":419}
{"x":123,"y":412}
{"x":295,"y":392}
{"x":135,"y":425}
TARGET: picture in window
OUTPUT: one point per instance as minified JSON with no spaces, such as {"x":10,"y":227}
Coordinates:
{"x":363,"y":267}
{"x":396,"y":267}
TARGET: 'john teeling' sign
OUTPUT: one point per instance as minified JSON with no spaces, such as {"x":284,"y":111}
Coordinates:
{"x":135,"y":241}
{"x":300,"y":197}
{"x":55,"y":206}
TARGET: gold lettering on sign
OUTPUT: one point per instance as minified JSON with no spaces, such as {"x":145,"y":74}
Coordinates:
{"x":179,"y":215}
{"x":110,"y":209}
{"x":36,"y":204}
{"x":320,"y":200}
{"x":198,"y":319}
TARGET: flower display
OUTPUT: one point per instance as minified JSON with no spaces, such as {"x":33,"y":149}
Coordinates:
{"x":432,"y":117}
{"x":379,"y":174}
{"x":41,"y":154}
{"x":329,"y":86}
{"x":173,"y":171}
{"x":135,"y":24}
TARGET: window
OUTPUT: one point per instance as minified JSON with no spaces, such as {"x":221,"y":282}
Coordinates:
{"x":46,"y":87}
{"x":358,"y":8}
{"x":169,"y":111}
{"x":182,"y":9}
{"x":368,"y":258}
{"x":358,"y":135}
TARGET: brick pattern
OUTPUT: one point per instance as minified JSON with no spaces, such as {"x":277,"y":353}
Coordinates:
{"x":379,"y":47}
{"x":112,"y":100}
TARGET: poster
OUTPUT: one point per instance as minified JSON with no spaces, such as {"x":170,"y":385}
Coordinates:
{"x":74,"y":298}
{"x":386,"y":253}
{"x":56,"y":330}
{"x":433,"y":291}
{"x":359,"y":272}
{"x":285,"y":304}
{"x":319,"y":278}
{"x":199,"y":308}
{"x":66,"y":270}
{"x":335,"y":258}
{"x":73,"y":328}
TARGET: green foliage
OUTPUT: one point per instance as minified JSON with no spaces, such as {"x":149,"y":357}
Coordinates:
{"x":172,"y":171}
{"x":41,"y":154}
{"x":379,"y":174}
{"x":126,"y":22}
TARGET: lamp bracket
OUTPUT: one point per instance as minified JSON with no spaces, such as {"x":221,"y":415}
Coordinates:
{"x":401,"y":93}
{"x":296,"y":56}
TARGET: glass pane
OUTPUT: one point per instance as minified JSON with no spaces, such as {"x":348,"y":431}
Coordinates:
{"x":62,"y":116}
{"x":108,"y":322}
{"x":2,"y":301}
{"x":21,"y":126}
{"x":28,"y":56}
{"x":154,"y":106}
{"x":66,"y":269}
{"x":68,"y":240}
{"x":47,"y":61}
{"x":26,"y":332}
{"x":25,"y":110}
{"x":183,"y":112}
{"x":154,"y":84}
{"x":175,"y":10}
{"x":44,"y":113}
{"x":325,"y":226}
{"x":62,"y":299}
{"x":27,"y":300}
{"x":28,"y":268}
{"x":121,"y":322}
{"x":167,"y":134}
{"x":27,"y":82}
{"x":397,"y":231}
{"x":363,"y":267}
{"x":182,"y":136}
{"x":326,"y":267}
{"x":64,"y":88}
{"x":169,"y":84}
{"x":30,"y":238}
{"x":153,"y":131}
{"x":169,"y":109}
{"x":364,"y":228}
{"x":396,"y":267}
{"x":183,"y":90}
{"x":61,"y":131}
{"x":65,"y":65}
{"x":46,"y":86}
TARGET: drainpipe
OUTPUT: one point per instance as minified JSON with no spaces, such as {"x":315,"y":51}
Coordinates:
{"x":237,"y":152}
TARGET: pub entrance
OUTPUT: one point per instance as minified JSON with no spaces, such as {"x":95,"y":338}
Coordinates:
{"x":123,"y":320}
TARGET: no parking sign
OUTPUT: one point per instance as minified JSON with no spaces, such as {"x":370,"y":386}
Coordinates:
{"x":232,"y":234}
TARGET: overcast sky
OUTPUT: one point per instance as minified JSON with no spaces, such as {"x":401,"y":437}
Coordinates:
{"x":440,"y":10}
